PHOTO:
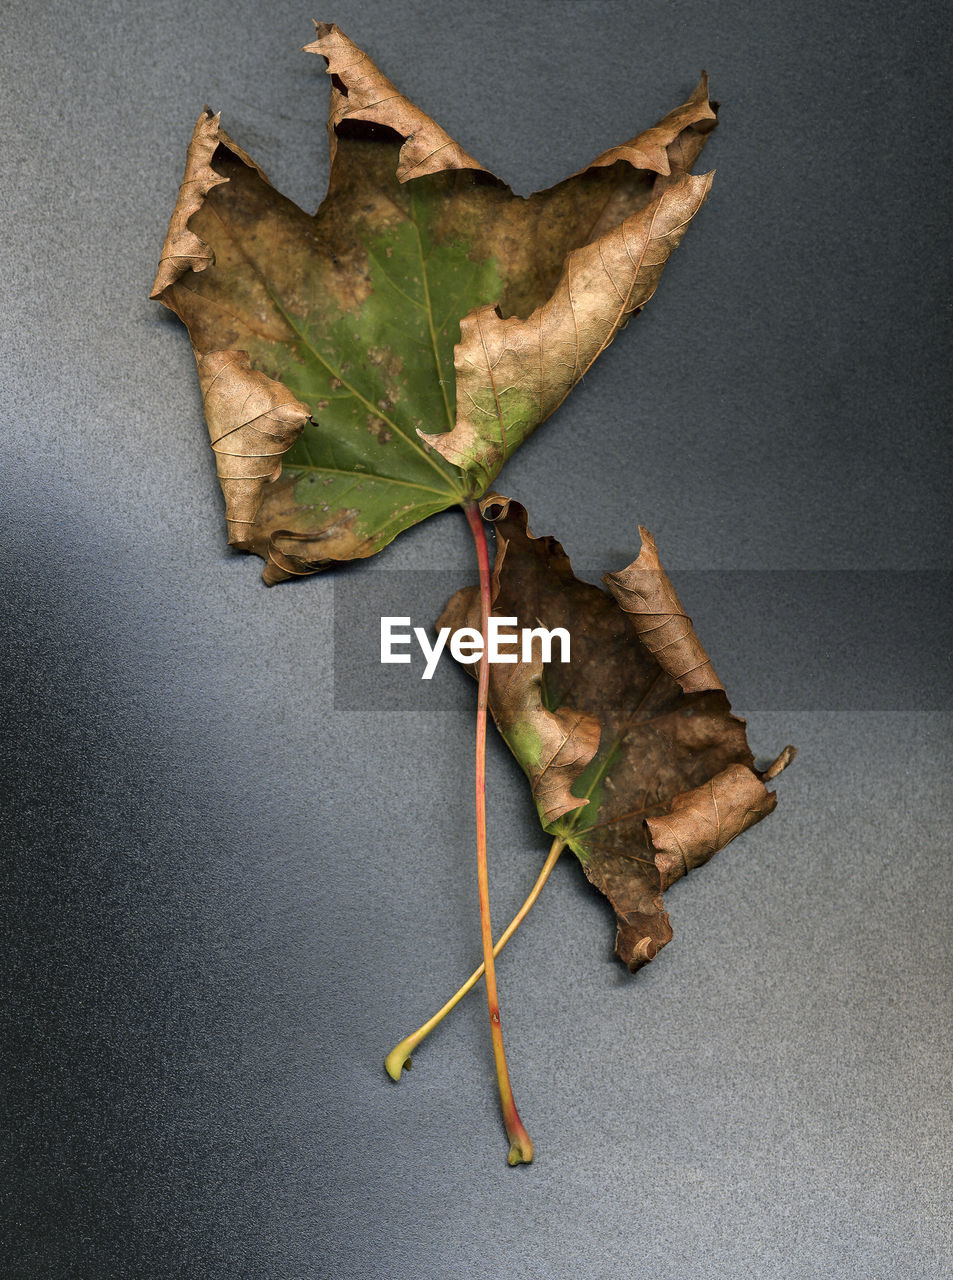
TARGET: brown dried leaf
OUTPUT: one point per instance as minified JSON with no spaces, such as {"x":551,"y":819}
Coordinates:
{"x":655,"y":774}
{"x":425,"y":320}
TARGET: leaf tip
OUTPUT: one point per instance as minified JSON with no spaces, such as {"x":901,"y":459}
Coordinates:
{"x":322,"y":31}
{"x":779,"y":765}
{"x":647,"y":544}
{"x":644,"y":950}
{"x":183,"y":250}
{"x":362,"y":93}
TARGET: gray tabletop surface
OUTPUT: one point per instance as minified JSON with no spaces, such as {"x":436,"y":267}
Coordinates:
{"x":233,"y":878}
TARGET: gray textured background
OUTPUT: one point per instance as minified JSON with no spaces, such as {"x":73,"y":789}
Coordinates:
{"x":227,"y":896}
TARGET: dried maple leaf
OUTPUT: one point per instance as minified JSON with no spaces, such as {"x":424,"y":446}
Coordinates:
{"x":633,"y":755}
{"x":379,"y":361}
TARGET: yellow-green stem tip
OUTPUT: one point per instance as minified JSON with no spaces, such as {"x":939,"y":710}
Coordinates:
{"x":397,"y":1061}
{"x":521,"y":1150}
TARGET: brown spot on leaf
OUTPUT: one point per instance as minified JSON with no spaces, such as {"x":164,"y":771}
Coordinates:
{"x":378,"y":428}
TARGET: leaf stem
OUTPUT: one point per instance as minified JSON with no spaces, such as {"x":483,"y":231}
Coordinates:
{"x":399,"y":1058}
{"x":521,"y":1146}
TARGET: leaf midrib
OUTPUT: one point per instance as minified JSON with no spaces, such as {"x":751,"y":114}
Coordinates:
{"x":428,"y":308}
